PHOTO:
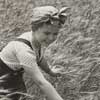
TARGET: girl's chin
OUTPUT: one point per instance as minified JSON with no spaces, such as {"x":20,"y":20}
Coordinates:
{"x":45,"y":44}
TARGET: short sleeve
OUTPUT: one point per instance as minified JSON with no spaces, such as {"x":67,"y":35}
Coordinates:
{"x":25,"y":55}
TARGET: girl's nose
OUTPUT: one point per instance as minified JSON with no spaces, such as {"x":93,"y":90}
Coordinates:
{"x":52,"y":37}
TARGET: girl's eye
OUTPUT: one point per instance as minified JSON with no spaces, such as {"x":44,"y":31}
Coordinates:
{"x":47,"y":33}
{"x":55,"y":33}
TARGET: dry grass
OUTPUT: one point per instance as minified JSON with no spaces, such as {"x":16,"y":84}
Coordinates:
{"x":77,"y":48}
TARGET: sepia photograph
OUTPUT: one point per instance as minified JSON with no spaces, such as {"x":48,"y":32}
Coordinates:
{"x":49,"y":50}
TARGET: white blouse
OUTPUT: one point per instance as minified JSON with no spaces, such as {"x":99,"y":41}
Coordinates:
{"x":18,"y":54}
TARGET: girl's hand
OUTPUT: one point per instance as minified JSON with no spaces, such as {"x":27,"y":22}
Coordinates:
{"x":57,"y":71}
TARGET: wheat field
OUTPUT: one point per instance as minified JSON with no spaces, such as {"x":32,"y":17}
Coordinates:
{"x":77,"y":48}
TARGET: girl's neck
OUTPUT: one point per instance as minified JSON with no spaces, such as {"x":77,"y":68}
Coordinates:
{"x":35,"y":42}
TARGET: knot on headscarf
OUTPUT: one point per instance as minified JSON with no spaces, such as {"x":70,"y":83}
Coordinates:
{"x":46,"y":13}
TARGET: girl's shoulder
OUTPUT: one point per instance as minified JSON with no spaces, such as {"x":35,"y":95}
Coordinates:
{"x":26,"y":35}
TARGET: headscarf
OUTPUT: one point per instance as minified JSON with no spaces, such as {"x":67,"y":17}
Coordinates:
{"x":46,"y":13}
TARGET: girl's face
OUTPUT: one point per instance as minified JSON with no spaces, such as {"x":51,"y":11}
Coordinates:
{"x":47,"y":34}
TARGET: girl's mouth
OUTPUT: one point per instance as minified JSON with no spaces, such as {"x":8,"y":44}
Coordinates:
{"x":46,"y":42}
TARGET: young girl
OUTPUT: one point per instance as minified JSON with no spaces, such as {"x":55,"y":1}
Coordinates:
{"x":25,"y":55}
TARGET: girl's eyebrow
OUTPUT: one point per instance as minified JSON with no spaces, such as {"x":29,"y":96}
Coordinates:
{"x":55,"y":33}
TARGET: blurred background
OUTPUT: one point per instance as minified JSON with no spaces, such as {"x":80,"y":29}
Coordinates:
{"x":77,"y":48}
